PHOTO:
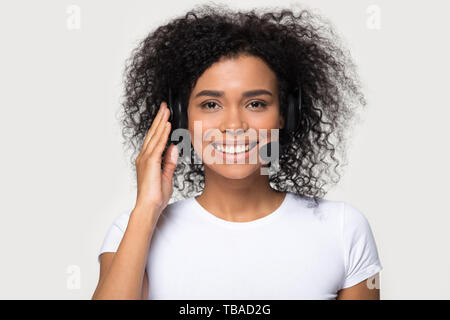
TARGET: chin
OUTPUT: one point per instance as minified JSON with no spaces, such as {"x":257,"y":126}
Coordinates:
{"x":234,"y":171}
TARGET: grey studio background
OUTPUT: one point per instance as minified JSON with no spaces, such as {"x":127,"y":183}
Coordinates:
{"x":65,"y":176}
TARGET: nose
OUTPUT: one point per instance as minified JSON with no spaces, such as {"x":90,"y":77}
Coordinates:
{"x":233,"y":121}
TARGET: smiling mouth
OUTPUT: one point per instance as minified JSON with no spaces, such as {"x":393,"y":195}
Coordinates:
{"x":234,"y":149}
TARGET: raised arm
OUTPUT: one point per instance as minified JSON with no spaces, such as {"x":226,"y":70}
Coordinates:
{"x":122,"y":273}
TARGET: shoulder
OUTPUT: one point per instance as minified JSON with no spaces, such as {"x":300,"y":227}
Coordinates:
{"x":349,"y":218}
{"x":348,"y":215}
{"x":324,"y":210}
{"x":324,"y":217}
{"x":354,"y":220}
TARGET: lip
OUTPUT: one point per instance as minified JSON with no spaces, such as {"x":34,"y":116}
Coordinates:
{"x":234,"y":143}
{"x":231,"y":158}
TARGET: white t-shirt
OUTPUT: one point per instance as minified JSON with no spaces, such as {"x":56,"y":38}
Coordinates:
{"x":296,"y":252}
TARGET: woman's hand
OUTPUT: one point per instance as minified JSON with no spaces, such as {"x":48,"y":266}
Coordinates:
{"x":154,"y":186}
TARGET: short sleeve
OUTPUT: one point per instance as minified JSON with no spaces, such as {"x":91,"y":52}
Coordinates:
{"x":360,"y":250}
{"x":115,"y":234}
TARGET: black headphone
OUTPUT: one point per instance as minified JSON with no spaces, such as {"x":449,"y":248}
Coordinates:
{"x":292,"y":112}
{"x":178,"y":116}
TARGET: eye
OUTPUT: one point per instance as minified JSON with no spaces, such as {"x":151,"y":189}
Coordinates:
{"x":262,"y":104}
{"x":207,"y":105}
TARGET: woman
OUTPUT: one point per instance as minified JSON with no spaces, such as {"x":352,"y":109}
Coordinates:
{"x":239,"y":233}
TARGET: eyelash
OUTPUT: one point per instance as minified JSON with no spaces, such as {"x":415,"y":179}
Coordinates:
{"x":262,"y":105}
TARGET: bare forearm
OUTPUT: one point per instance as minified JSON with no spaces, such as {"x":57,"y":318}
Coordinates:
{"x":126,"y":272}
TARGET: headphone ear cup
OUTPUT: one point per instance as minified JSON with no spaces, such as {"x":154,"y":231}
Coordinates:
{"x":291,"y":114}
{"x":171,"y":114}
{"x":170,"y":104}
{"x":299,"y":102}
{"x":178,"y":118}
{"x":180,"y":115}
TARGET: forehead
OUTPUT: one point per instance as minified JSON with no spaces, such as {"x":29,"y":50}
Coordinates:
{"x":237,"y":73}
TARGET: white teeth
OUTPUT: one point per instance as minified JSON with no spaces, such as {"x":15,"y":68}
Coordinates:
{"x":232,"y":149}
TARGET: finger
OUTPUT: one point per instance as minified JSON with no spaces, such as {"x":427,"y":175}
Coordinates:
{"x":161,"y":144}
{"x":154,"y":125}
{"x":170,"y":163}
{"x":157,"y":135}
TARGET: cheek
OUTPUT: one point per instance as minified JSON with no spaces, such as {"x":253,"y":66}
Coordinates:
{"x":267,"y":119}
{"x":202,"y":121}
{"x":201,"y":135}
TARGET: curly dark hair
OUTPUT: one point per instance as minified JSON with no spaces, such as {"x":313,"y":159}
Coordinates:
{"x":300,"y":48}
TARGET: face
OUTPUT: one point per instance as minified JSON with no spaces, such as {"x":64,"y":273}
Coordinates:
{"x":232,"y":102}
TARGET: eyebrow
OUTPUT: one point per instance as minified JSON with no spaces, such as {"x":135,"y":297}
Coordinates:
{"x":246,"y":94}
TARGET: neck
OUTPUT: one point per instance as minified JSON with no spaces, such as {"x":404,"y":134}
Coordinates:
{"x":239,"y":200}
